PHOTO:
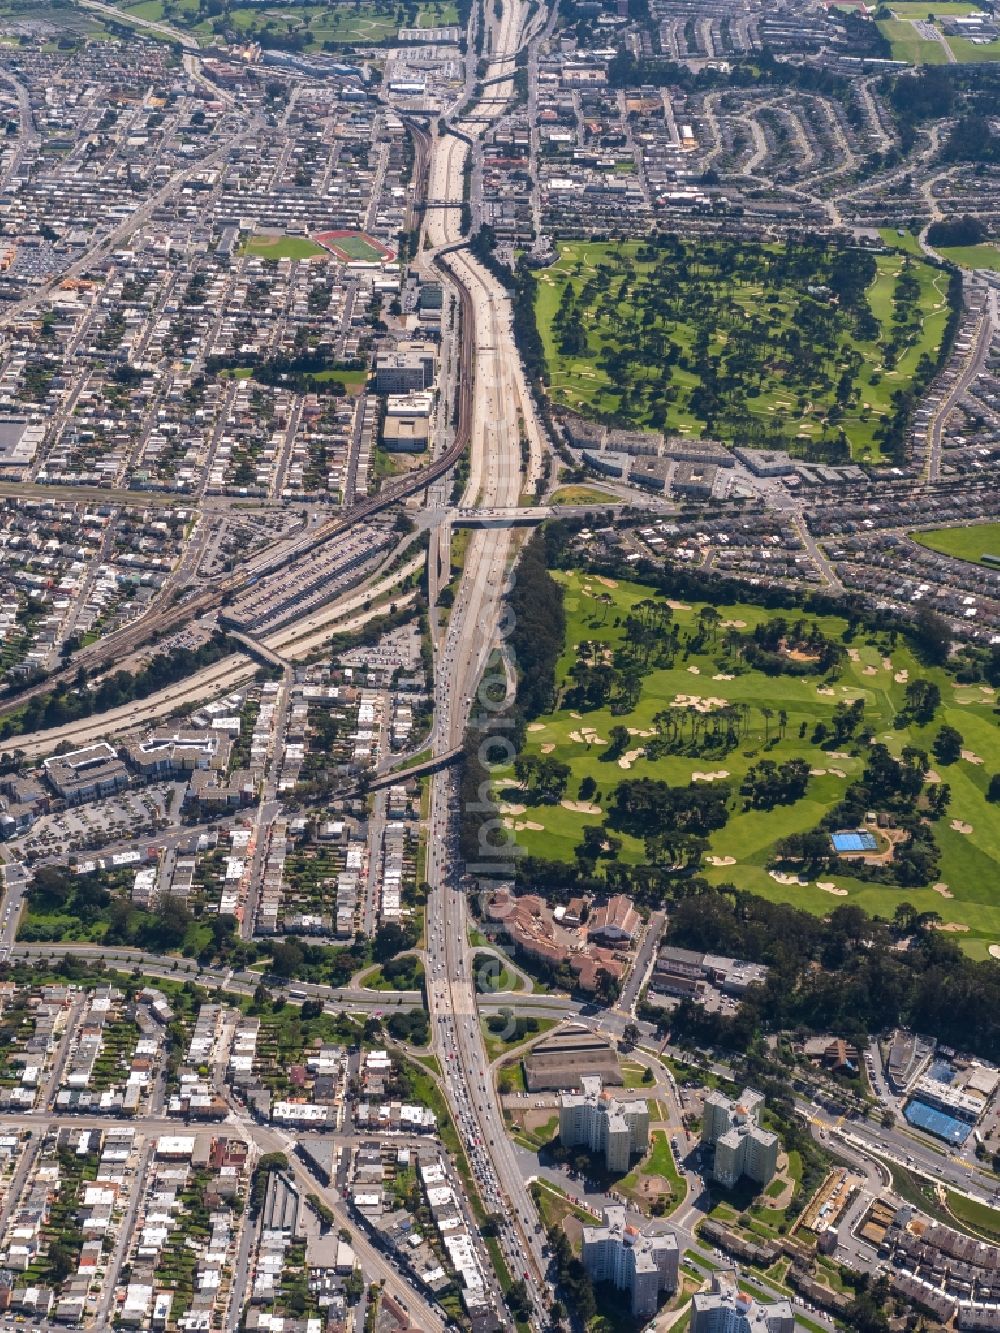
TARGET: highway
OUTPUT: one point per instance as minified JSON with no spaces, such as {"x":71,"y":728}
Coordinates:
{"x":500,"y":410}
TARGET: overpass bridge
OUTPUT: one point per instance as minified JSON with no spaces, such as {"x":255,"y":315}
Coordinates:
{"x":525,"y":516}
{"x":254,"y":648}
{"x":433,"y":764}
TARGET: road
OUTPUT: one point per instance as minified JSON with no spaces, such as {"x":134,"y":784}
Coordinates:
{"x":974,"y":364}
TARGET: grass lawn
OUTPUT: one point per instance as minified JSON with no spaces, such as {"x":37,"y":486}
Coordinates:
{"x":554,"y":1204}
{"x":970,"y":543}
{"x":975,"y":256}
{"x":497,"y":1045}
{"x":632,"y":1074}
{"x":920,"y":9}
{"x":659,"y":1163}
{"x":374,"y":979}
{"x":283,"y":247}
{"x":740,"y":852}
{"x":908,"y":243}
{"x":980,"y":1216}
{"x":582,"y":495}
{"x":908,"y":45}
{"x":611,"y":317}
{"x":969,"y":52}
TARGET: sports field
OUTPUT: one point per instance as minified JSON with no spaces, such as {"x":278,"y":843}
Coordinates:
{"x":283,"y":247}
{"x":357,"y":245}
{"x":970,"y":543}
{"x":633,"y":333}
{"x":967,"y":894}
{"x":909,"y":44}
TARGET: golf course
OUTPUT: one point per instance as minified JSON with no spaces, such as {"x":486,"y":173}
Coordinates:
{"x":780,"y":718}
{"x":804,"y":348}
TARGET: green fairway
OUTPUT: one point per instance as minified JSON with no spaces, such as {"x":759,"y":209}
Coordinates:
{"x":764,"y":346}
{"x":283,"y":247}
{"x":965,"y":892}
{"x":364,"y":23}
{"x":974,"y":256}
{"x":970,"y":543}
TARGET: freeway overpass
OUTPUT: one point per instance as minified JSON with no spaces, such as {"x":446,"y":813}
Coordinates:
{"x":524,"y":516}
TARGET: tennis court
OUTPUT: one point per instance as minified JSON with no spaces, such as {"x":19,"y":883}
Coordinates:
{"x":938,"y":1123}
{"x":854,"y":840}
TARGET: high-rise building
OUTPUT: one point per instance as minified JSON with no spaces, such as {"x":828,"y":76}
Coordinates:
{"x":601,"y":1122}
{"x":726,"y":1309}
{"x":742,"y":1147}
{"x":641,"y":1265}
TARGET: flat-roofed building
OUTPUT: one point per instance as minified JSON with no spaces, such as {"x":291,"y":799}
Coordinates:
{"x":644,"y":1266}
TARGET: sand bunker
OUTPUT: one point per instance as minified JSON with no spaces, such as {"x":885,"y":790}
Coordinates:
{"x":817,"y":772}
{"x":971,"y":757}
{"x":678,"y":606}
{"x":901,"y":677}
{"x":960,"y":826}
{"x":696,"y":701}
{"x":607,"y":583}
{"x":829,"y":887}
{"x":582,"y":807}
{"x":629,"y":758}
{"x":943,"y":889}
{"x":723,"y":675}
{"x":952,"y":927}
{"x":512,"y":808}
{"x":854,"y":655}
{"x":886,"y":663}
{"x":870,"y":671}
{"x":932,"y":775}
{"x":838,"y":772}
{"x":717,"y":776}
{"x":548,"y":747}
{"x":578,"y":716}
{"x":839,"y":754}
{"x":994,"y":950}
{"x":780,"y":877}
{"x":536,"y":726}
{"x":721,"y":860}
{"x":823,"y":689}
{"x":734,"y":624}
{"x":695,"y":670}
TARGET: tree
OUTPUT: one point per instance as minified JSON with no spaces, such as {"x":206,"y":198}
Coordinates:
{"x":947,"y":746}
{"x":391,"y":939}
{"x":993,"y":790}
